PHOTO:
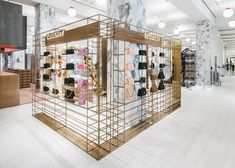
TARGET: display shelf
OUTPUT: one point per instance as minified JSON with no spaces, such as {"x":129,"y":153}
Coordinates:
{"x":100,"y":116}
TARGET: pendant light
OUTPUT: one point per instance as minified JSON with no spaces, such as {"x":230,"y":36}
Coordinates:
{"x":72,"y":12}
{"x":228,"y":12}
{"x":161,"y":24}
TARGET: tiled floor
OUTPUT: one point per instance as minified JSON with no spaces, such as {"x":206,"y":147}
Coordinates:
{"x":201,"y":134}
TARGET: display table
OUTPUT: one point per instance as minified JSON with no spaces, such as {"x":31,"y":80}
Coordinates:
{"x":9,"y":89}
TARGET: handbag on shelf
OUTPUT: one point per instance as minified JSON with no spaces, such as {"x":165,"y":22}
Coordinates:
{"x":153,"y":54}
{"x":162,"y":65}
{"x":45,"y":89}
{"x":46,"y":77}
{"x":69,"y":94}
{"x":142,"y":92}
{"x":161,"y":74}
{"x":47,"y":65}
{"x":46,"y":53}
{"x":129,"y":51}
{"x":81,"y":67}
{"x":142,"y":79}
{"x":69,"y":51}
{"x":152,"y":65}
{"x":161,"y":85}
{"x":82,"y":84}
{"x":55,"y":91}
{"x":83,"y":51}
{"x":154,"y":88}
{"x":129,"y":67}
{"x":129,"y":81}
{"x":129,"y":93}
{"x":142,"y":52}
{"x":69,"y":81}
{"x":70,"y":66}
{"x":82,"y":99}
{"x":142,"y":65}
{"x":161,"y":54}
{"x":153,"y":77}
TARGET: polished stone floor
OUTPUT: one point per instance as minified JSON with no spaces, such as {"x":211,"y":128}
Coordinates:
{"x":201,"y":134}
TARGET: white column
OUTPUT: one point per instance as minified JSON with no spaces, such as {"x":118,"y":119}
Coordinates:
{"x":203,"y":59}
{"x":129,"y":11}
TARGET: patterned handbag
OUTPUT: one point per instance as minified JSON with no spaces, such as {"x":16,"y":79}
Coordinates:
{"x":154,"y":88}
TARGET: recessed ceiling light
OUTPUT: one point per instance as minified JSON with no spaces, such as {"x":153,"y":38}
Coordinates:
{"x":176,"y":31}
{"x":194,"y":42}
{"x":101,"y":2}
{"x":161,"y":24}
{"x":72,"y":12}
{"x":188,"y":39}
{"x":32,"y":29}
{"x":228,"y":12}
{"x":231,"y":24}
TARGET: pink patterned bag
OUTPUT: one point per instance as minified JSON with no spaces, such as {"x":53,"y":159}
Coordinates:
{"x":83,"y":51}
{"x":82,"y":99}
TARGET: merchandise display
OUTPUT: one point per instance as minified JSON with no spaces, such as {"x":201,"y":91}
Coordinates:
{"x":188,"y":67}
{"x":101,"y":84}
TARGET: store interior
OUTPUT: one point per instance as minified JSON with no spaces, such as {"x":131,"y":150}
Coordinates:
{"x":109,"y":83}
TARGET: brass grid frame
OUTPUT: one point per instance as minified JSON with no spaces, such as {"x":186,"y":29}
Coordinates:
{"x":100,"y":127}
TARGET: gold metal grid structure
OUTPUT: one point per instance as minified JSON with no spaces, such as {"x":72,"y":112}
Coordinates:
{"x":107,"y":120}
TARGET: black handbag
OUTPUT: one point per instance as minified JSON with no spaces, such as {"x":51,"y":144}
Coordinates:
{"x":153,"y":54}
{"x":55,"y":91}
{"x":47,"y":65}
{"x":162,"y":65}
{"x":69,"y":94}
{"x":142,"y":65}
{"x":46,"y":53}
{"x":69,"y":81}
{"x":70,"y":51}
{"x":142,"y":92}
{"x":152,"y":65}
{"x":161,"y":54}
{"x":70,"y":66}
{"x":142,"y":52}
{"x":46,"y":77}
{"x":142,"y":80}
{"x":161,"y":74}
{"x":161,"y":85}
{"x":45,"y":89}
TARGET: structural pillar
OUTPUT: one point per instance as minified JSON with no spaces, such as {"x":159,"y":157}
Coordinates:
{"x":44,"y":21}
{"x":203,"y":59}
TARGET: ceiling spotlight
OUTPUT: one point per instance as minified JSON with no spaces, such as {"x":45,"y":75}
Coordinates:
{"x":32,"y":29}
{"x":161,"y":24}
{"x":101,"y":2}
{"x":194,"y":42}
{"x":228,"y":12}
{"x":231,"y":24}
{"x":188,"y":39}
{"x":72,"y":12}
{"x":176,"y":31}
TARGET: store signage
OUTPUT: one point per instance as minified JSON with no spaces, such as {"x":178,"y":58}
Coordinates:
{"x":151,"y":36}
{"x":55,"y":35}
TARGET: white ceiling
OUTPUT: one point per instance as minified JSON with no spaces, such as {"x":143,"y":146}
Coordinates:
{"x":217,"y":7}
{"x":178,"y":14}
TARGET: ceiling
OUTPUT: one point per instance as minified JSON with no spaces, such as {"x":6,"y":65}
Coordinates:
{"x":217,"y":7}
{"x":177,"y":14}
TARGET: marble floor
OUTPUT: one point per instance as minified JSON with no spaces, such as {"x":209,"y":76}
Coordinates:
{"x":198,"y":135}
